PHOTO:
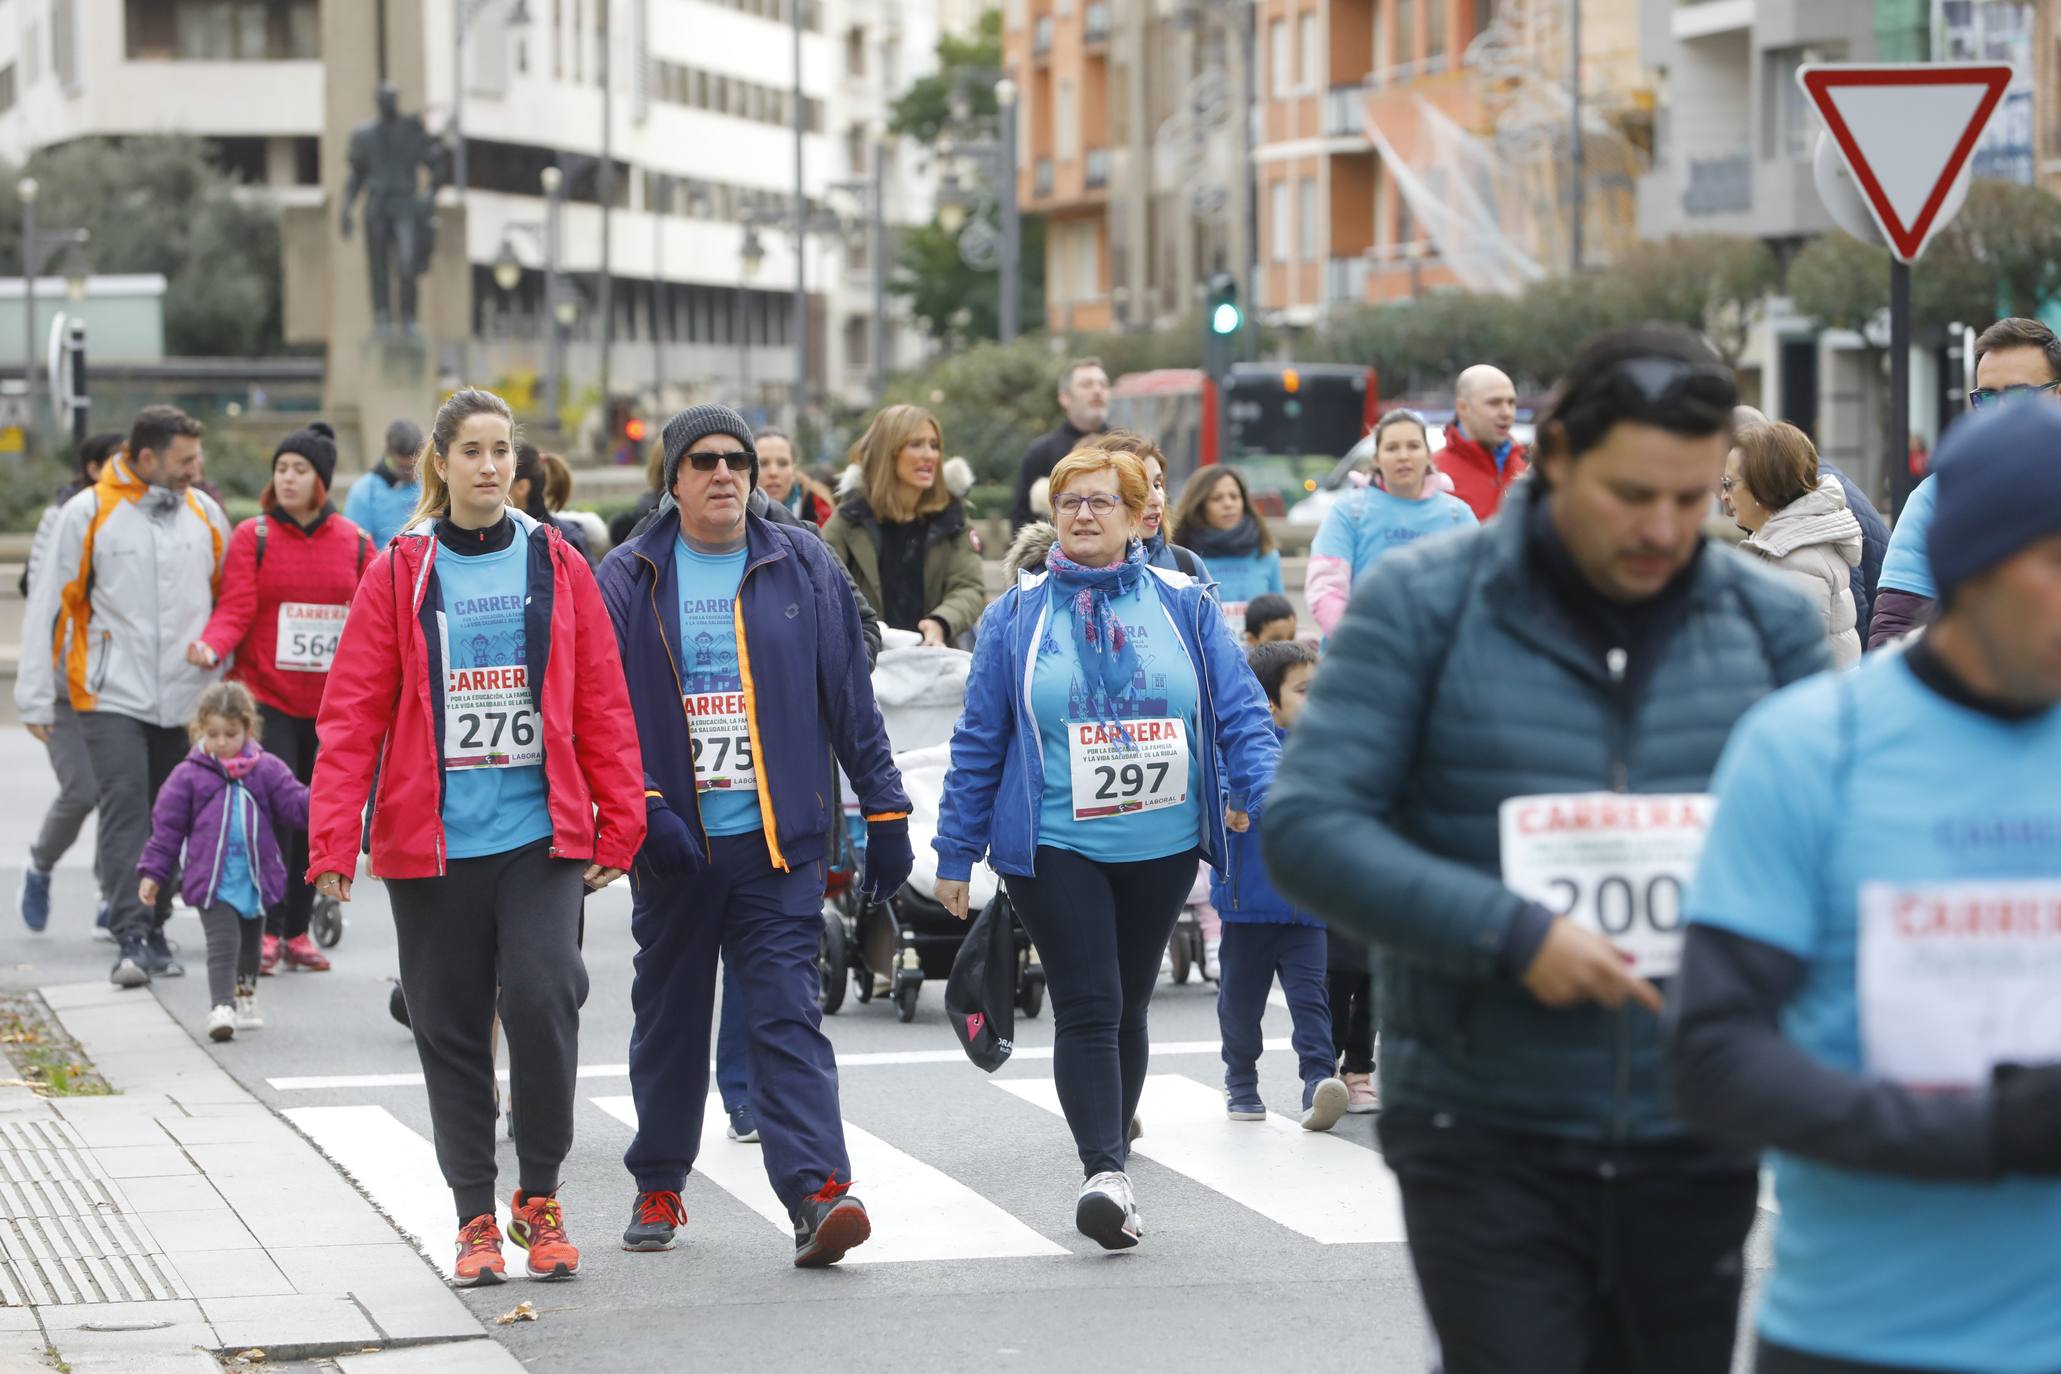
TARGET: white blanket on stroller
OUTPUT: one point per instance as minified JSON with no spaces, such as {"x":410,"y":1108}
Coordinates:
{"x":923,"y":775}
{"x":920,"y":692}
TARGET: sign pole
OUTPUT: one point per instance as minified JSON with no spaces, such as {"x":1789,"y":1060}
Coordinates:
{"x":1899,"y":384}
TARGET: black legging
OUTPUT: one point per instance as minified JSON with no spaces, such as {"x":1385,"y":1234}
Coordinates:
{"x":1101,"y":930}
{"x":292,"y":739}
{"x":1352,"y":1018}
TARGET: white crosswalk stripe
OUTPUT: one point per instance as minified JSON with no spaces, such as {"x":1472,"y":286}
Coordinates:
{"x":1317,"y":1184}
{"x":918,"y":1213}
{"x":396,"y":1167}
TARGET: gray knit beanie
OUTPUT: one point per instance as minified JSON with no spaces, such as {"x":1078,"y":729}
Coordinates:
{"x":698,"y":422}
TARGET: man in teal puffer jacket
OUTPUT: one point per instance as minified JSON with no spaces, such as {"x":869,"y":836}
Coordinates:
{"x":1499,"y":780}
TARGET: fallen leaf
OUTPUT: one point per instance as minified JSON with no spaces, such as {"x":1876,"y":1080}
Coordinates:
{"x":253,"y":1356}
{"x":522,"y":1312}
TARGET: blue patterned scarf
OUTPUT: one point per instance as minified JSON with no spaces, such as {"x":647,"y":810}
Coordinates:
{"x":1107,"y":657}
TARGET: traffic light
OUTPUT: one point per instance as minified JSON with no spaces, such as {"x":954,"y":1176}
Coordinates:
{"x":634,"y":430}
{"x":1222,"y":312}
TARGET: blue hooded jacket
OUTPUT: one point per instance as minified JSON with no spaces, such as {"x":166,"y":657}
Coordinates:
{"x":1245,"y":894}
{"x":990,"y":805}
{"x":806,"y":685}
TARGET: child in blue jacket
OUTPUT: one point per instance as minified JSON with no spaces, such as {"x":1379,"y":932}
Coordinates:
{"x":1264,"y":935}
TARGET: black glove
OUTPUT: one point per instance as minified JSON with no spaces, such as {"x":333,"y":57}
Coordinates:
{"x":888,"y":859}
{"x":670,"y":849}
{"x":2026,"y":1107}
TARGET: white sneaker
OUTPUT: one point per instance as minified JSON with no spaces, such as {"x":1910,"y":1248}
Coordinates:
{"x":248,"y":1017}
{"x":1329,"y":1099}
{"x":222,"y":1022}
{"x":1107,"y":1212}
{"x":1209,"y":959}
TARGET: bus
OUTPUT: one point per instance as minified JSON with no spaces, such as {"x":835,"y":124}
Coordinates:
{"x":1283,"y":425}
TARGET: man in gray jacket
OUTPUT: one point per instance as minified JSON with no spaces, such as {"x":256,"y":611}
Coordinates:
{"x":133,"y":576}
{"x":1499,"y":779}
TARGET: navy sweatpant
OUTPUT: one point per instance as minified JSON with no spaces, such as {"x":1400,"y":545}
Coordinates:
{"x":1246,"y":964}
{"x":766,"y":925}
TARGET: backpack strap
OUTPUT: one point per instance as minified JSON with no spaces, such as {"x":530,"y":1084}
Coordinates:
{"x":364,"y":550}
{"x":260,"y":567}
{"x":1184,"y":559}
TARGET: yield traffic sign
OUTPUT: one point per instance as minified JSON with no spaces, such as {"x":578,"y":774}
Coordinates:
{"x":1906,"y":130}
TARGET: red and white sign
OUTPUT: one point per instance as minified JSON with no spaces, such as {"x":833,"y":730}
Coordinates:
{"x":1906,"y":131}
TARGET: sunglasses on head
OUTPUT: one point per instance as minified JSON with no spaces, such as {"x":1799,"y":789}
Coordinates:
{"x":1986,"y":397}
{"x":736,"y":459}
{"x":1663,"y":383}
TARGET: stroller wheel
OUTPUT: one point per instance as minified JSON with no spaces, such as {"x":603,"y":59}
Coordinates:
{"x":1030,"y":998}
{"x":833,"y":966}
{"x":905,"y":999}
{"x":1184,"y":961}
{"x":326,"y":922}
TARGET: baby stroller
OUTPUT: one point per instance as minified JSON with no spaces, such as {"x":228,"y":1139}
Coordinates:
{"x":890,"y":948}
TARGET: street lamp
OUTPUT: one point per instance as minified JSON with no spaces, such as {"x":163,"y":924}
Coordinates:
{"x":38,"y":248}
{"x":507,"y":267}
{"x":566,"y":310}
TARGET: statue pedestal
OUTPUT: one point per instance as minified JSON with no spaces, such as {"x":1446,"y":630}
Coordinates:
{"x":396,"y":379}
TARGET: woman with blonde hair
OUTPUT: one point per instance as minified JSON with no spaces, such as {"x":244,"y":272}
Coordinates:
{"x":1112,"y":736}
{"x":903,"y":535}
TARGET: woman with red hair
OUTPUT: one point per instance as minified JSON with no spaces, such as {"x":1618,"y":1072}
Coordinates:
{"x":286,"y":584}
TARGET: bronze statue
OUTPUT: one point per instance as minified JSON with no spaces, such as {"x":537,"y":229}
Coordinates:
{"x":387,"y":157}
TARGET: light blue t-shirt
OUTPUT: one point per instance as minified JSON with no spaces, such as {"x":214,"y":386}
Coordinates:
{"x":1365,"y":524}
{"x":1901,"y":787}
{"x":490,"y":806}
{"x":1157,"y":683}
{"x":725,"y":782}
{"x":1906,"y":565}
{"x":1239,"y":580}
{"x":381,"y":508}
{"x":239,"y":885}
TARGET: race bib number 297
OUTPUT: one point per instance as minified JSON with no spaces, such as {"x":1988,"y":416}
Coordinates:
{"x":1617,"y":863}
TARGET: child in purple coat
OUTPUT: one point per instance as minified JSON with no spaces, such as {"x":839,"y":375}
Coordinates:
{"x":225,"y":804}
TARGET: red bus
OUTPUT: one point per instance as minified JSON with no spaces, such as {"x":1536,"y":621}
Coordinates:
{"x":1283,"y":424}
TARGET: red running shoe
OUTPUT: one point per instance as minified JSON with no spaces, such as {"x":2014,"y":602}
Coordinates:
{"x":479,"y":1253}
{"x":268,"y":960}
{"x":301,"y":952}
{"x":538,"y":1226}
{"x":653,"y":1218}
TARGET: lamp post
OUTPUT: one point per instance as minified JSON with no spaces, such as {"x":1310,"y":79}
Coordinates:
{"x":553,"y":181}
{"x":38,"y":247}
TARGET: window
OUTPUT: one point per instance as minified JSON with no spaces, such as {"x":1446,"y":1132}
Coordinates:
{"x":1277,"y":45}
{"x":1066,"y":123}
{"x":856,"y":328}
{"x":1306,"y":33}
{"x":1307,"y":219}
{"x":558,"y":40}
{"x":1280,"y":231}
{"x":64,"y":42}
{"x":6,"y":88}
{"x":1014,"y":13}
{"x":578,"y":38}
{"x":855,"y":50}
{"x":1405,"y":51}
{"x":1434,"y":28}
{"x":855,"y":149}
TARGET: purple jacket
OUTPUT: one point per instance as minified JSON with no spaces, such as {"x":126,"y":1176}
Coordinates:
{"x":193,"y":810}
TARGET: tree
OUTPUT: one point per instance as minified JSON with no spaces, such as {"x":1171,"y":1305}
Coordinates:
{"x":990,"y":400}
{"x":1844,"y":283}
{"x":955,"y":303}
{"x":2001,"y":255}
{"x":156,"y":204}
{"x":1708,"y":282}
{"x":925,"y":112}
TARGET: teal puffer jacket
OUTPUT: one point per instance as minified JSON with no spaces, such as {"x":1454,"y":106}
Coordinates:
{"x":1383,"y":815}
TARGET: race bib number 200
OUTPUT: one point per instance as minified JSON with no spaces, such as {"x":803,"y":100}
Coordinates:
{"x":1617,"y":863}
{"x":1123,"y":767}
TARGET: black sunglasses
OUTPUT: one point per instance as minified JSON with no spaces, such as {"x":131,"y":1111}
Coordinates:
{"x":736,"y":459}
{"x":1663,"y":383}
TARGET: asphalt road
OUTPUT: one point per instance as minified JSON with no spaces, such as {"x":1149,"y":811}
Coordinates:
{"x":1262,"y":1243}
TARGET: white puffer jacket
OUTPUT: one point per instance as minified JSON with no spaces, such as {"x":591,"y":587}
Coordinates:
{"x":1812,"y":544}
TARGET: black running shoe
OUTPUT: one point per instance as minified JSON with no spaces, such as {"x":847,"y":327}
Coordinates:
{"x":131,"y":967}
{"x":159,"y":958}
{"x":829,"y":1224}
{"x":654,"y":1216}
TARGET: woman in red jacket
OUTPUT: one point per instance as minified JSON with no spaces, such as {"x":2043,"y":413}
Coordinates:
{"x":286,"y":585}
{"x":478,"y":684}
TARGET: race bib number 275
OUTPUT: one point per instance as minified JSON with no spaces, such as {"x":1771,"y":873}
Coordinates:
{"x":1617,"y":863}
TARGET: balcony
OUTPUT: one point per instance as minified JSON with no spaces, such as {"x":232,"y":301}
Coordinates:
{"x":1097,"y":168}
{"x":1345,"y":112}
{"x":1718,"y":185}
{"x":1097,"y":23}
{"x":1041,"y":178}
{"x":1041,"y":38}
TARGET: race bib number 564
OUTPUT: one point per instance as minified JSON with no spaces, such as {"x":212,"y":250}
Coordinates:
{"x":1614,"y":862}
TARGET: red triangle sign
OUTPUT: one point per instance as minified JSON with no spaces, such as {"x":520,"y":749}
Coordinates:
{"x":1906,"y":130}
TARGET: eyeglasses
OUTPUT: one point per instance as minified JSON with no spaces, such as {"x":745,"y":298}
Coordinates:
{"x":1101,"y":503}
{"x":737,"y":460}
{"x":1725,"y":483}
{"x":1986,"y":397}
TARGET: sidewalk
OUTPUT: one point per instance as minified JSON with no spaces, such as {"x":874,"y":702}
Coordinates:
{"x":142,"y":1232}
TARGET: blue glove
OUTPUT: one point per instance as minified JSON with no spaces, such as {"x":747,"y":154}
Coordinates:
{"x":888,"y":859}
{"x":670,"y":849}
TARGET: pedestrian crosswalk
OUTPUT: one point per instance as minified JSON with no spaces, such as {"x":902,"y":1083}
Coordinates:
{"x":1324,"y":1188}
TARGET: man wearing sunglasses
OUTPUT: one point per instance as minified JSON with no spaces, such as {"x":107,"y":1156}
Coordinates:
{"x":741,"y":645}
{"x":2016,"y":360}
{"x":1499,"y":781}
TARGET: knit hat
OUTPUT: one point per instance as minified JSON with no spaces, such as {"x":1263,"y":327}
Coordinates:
{"x":317,"y":444}
{"x":698,"y":422}
{"x":1997,"y":488}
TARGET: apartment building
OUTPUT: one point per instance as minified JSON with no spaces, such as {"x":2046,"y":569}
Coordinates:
{"x":698,"y":97}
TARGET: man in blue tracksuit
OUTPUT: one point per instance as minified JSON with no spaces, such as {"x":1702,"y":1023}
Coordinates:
{"x":741,"y":644}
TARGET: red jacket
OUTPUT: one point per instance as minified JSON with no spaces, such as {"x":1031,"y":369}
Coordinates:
{"x":1473,"y":470}
{"x":318,"y":569}
{"x":382,"y":717}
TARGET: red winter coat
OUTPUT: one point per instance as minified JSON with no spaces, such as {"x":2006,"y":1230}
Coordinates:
{"x":318,"y":568}
{"x":383,"y":716}
{"x":1473,"y":470}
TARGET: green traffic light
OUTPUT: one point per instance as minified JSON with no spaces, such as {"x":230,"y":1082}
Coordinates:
{"x":1226,"y":319}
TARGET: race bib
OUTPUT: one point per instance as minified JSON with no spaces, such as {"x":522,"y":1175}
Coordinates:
{"x":308,"y":632}
{"x":720,"y":733}
{"x":1956,"y":978}
{"x":490,"y":720}
{"x":1614,"y":862}
{"x":1234,"y":616}
{"x":1126,"y":767}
